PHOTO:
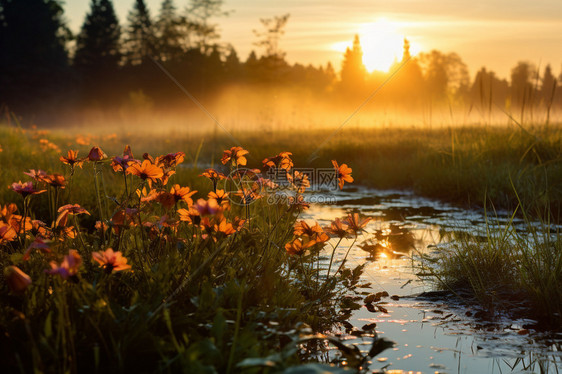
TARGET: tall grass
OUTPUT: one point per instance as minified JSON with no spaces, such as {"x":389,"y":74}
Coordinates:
{"x":514,"y":269}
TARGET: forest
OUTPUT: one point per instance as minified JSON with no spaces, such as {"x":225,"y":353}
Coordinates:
{"x":50,"y":75}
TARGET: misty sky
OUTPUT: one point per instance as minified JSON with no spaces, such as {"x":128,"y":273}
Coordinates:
{"x":493,"y":33}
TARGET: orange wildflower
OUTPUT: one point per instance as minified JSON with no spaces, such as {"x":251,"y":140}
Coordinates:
{"x":55,"y":180}
{"x":281,"y":161}
{"x":235,"y":155}
{"x":39,"y":244}
{"x":96,"y":154}
{"x":214,"y":176}
{"x":146,"y":171}
{"x":7,"y":233}
{"x":338,"y":229}
{"x":110,"y":260}
{"x":182,"y":194}
{"x":73,"y":209}
{"x":355,"y":223}
{"x":220,"y":197}
{"x":207,"y":207}
{"x":122,"y":163}
{"x":190,"y":215}
{"x":299,"y":180}
{"x":68,"y":267}
{"x":315,"y":232}
{"x":297,"y":247}
{"x":25,"y":189}
{"x":37,"y":175}
{"x":72,"y":159}
{"x":170,"y":160}
{"x":17,"y":280}
{"x":343,"y":174}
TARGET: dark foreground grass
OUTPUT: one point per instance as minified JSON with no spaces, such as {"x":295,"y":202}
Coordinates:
{"x":107,"y":271}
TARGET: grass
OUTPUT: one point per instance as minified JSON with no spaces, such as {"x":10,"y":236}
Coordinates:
{"x":513,"y":269}
{"x":111,"y":273}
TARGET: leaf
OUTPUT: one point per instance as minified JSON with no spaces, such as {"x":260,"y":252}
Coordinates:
{"x":48,"y":330}
{"x":380,"y":345}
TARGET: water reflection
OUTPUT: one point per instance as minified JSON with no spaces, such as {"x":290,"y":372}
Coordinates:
{"x":431,"y":335}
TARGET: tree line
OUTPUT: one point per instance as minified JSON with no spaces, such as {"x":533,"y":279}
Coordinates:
{"x":44,"y":68}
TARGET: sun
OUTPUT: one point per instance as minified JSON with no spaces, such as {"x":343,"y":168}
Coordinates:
{"x":382,"y":42}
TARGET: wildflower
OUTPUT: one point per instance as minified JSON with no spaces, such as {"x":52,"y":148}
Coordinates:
{"x":122,"y":163}
{"x":170,"y":160}
{"x":39,"y":244}
{"x":338,"y":229}
{"x":25,"y":189}
{"x":39,"y":229}
{"x":37,"y":175}
{"x":55,"y":180}
{"x":7,"y":233}
{"x":110,"y":260}
{"x":67,"y":209}
{"x":165,"y":198}
{"x":207,"y":207}
{"x":72,"y":159}
{"x":224,"y":227}
{"x":281,"y":161}
{"x":190,"y":215}
{"x":73,"y":209}
{"x":68,"y":267}
{"x":214,"y":176}
{"x":297,"y":247}
{"x":298,"y":202}
{"x":315,"y":232}
{"x":299,"y":180}
{"x":96,"y":154}
{"x":182,"y":194}
{"x":121,"y":219}
{"x":146,"y":171}
{"x":166,"y":176}
{"x":220,"y":197}
{"x":247,"y":196}
{"x":235,"y":155}
{"x":343,"y":174}
{"x":356,"y":224}
{"x":7,"y":211}
{"x":17,"y":280}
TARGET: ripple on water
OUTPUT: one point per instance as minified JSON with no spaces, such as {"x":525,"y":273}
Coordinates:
{"x":432,"y":335}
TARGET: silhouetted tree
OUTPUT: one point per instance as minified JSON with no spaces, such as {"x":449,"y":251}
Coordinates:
{"x":33,"y":57}
{"x":97,"y":45}
{"x":232,"y":65}
{"x":140,"y":41}
{"x":272,"y":65}
{"x":171,"y":33}
{"x":353,"y":71}
{"x":549,"y":85}
{"x":521,"y":85}
{"x":199,"y":14}
{"x":446,"y":75}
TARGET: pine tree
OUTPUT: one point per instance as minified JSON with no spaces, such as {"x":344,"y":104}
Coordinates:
{"x":170,"y":31}
{"x":353,"y":71}
{"x":140,"y":42}
{"x":97,"y":45}
{"x":33,"y":56}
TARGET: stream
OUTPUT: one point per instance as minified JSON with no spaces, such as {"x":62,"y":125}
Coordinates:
{"x":432,"y":335}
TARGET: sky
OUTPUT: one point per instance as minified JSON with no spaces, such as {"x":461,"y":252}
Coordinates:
{"x":494,"y":33}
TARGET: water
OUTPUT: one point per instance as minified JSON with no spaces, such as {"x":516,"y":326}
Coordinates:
{"x":431,"y":335}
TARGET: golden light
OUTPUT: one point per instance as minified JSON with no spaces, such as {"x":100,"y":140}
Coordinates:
{"x":382,"y":42}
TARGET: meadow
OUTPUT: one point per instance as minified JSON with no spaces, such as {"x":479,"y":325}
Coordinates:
{"x":122,"y":259}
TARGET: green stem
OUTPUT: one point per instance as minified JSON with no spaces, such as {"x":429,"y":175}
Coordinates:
{"x":349,"y":249}
{"x":99,"y":203}
{"x":332,"y":258}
